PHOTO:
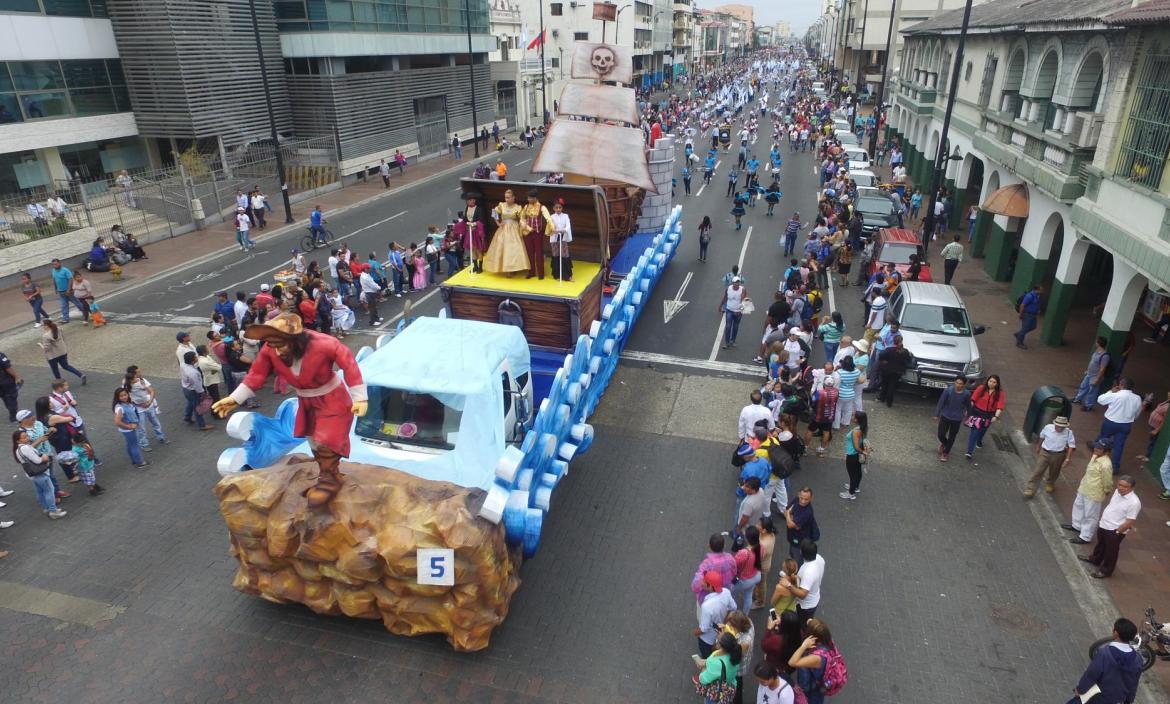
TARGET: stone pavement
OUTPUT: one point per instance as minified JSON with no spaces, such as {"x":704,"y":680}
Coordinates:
{"x":923,"y":589}
{"x":168,"y":255}
{"x":1143,"y":573}
{"x":1142,"y":577}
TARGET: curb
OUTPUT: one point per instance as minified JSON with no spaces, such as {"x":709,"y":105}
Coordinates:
{"x":1094,"y":600}
{"x":283,"y":230}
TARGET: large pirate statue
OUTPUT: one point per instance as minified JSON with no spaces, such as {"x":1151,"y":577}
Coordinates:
{"x":326,"y":407}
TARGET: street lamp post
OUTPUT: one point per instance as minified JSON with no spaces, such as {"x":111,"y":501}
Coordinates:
{"x":543,"y":87}
{"x":881,"y":96}
{"x":271,"y":116}
{"x":942,"y":156}
{"x":861,"y":45}
{"x":471,"y":72}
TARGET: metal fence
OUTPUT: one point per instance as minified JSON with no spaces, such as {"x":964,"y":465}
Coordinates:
{"x":160,"y":203}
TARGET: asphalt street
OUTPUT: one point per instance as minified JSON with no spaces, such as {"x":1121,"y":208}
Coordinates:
{"x":939,"y":585}
{"x":401,"y":216}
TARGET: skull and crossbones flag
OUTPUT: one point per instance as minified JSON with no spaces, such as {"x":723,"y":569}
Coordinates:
{"x":603,"y":62}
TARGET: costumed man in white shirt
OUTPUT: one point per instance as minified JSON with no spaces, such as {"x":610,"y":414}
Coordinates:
{"x":1122,"y":407}
{"x":1116,"y":522}
{"x":562,"y":235}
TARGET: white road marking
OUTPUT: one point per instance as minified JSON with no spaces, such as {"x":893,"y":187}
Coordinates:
{"x":522,"y":163}
{"x":284,"y":264}
{"x":672,"y":307}
{"x":700,"y":191}
{"x":706,"y":364}
{"x":394,"y":321}
{"x":723,"y":318}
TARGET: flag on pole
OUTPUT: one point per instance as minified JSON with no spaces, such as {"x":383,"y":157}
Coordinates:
{"x":538,"y":41}
{"x":524,"y":35}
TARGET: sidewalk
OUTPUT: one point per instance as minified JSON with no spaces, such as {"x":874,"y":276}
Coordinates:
{"x":1142,"y":577}
{"x":169,"y":254}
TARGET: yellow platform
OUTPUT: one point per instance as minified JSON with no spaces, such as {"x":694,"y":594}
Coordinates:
{"x":583,"y":275}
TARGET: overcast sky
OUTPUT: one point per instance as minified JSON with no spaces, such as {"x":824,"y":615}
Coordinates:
{"x":799,"y":13}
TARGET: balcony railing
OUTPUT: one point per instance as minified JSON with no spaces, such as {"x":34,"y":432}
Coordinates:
{"x":1063,"y":153}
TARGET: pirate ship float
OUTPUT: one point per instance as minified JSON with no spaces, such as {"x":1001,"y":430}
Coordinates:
{"x":452,"y":472}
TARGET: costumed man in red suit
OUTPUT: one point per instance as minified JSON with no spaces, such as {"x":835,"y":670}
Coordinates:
{"x":326,"y":407}
{"x":536,"y":224}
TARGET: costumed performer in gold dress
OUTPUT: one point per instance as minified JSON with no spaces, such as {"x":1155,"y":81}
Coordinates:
{"x":506,"y":254}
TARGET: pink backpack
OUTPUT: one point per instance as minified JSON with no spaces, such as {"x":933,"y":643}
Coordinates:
{"x":835,"y":675}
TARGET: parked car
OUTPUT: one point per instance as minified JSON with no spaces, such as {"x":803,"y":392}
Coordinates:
{"x":846,"y":138}
{"x":877,"y":211}
{"x":857,"y":158}
{"x":894,"y":246}
{"x":864,"y":178}
{"x":936,"y":330}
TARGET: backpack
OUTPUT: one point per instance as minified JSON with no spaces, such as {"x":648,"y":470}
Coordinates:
{"x":792,"y":279}
{"x":510,"y":313}
{"x":834,"y":674}
{"x":782,"y":462}
{"x":806,"y":313}
{"x":818,"y":302}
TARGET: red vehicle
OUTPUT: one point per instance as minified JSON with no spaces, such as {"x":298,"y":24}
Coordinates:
{"x":894,"y":246}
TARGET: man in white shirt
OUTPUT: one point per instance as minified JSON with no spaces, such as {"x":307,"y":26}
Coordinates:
{"x":370,"y":293}
{"x":334,"y":260}
{"x":1054,"y":449}
{"x":57,"y":206}
{"x":1122,"y":407}
{"x":810,"y":575}
{"x":877,"y":317}
{"x":1116,"y":521}
{"x":243,"y":224}
{"x":717,"y":603}
{"x":240,"y":308}
{"x":751,"y":414}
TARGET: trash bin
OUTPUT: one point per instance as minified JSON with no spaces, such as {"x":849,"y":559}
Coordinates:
{"x":1047,"y":403}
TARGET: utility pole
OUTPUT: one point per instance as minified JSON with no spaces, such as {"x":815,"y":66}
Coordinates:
{"x":942,"y":156}
{"x":881,"y":97}
{"x":471,"y":71}
{"x":271,"y":115}
{"x":543,"y":86}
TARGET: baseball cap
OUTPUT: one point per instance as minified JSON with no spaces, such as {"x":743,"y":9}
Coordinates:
{"x":23,"y":415}
{"x":829,"y":381}
{"x":744,"y":450}
{"x":181,"y":334}
{"x":1101,"y":444}
{"x":712,"y":578}
{"x":263,"y":287}
{"x":735,"y":279}
{"x":221,"y":293}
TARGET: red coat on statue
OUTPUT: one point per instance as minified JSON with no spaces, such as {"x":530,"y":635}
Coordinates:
{"x":324,"y":410}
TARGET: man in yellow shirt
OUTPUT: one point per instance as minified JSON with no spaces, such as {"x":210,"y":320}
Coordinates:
{"x":1095,"y":487}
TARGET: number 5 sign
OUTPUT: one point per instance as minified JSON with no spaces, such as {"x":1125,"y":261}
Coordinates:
{"x":436,"y":566}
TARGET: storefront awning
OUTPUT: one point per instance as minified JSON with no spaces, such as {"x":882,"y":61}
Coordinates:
{"x":1011,"y":201}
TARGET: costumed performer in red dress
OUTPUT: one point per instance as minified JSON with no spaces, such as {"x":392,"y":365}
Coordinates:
{"x":327,"y":407}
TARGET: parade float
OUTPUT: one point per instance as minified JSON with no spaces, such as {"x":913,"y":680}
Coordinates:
{"x":463,"y":426}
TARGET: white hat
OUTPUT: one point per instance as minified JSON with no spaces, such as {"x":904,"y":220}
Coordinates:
{"x":736,"y":279}
{"x":829,"y":381}
{"x":263,"y":287}
{"x":23,"y":415}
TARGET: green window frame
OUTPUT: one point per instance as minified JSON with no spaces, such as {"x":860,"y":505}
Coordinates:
{"x":1145,"y":143}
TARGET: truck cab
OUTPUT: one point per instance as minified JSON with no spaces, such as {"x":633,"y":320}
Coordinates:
{"x":446,"y":397}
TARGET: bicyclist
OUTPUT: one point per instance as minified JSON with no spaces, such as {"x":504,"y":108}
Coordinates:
{"x":316,"y":225}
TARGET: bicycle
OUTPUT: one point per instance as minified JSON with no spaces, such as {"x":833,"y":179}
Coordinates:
{"x":1152,"y":641}
{"x":309,"y":242}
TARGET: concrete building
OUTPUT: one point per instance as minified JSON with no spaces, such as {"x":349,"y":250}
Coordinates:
{"x":515,"y":70}
{"x":385,"y":75}
{"x":1065,"y":106}
{"x":65,"y":107}
{"x":746,"y":14}
{"x":782,"y":31}
{"x":715,"y":31}
{"x":764,"y":35}
{"x":643,"y":25}
{"x":864,"y":27}
{"x":683,"y":36}
{"x":91,"y":87}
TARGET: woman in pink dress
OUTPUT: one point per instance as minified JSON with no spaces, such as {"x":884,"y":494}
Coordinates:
{"x":420,"y":270}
